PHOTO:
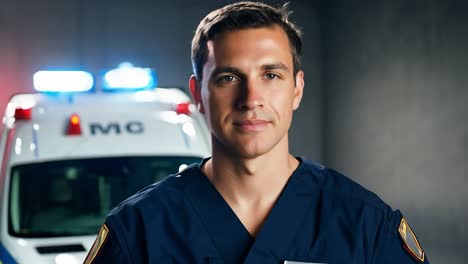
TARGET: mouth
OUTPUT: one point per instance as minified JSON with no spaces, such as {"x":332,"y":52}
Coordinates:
{"x":251,"y":125}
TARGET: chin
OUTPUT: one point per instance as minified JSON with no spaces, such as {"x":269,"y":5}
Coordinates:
{"x":245,"y":152}
{"x":246,"y":148}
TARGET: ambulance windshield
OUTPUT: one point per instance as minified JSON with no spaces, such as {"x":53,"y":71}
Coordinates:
{"x":73,"y":197}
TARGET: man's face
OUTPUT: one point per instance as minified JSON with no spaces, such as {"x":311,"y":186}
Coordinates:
{"x":249,"y":90}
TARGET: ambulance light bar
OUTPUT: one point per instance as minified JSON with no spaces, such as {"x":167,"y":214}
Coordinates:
{"x":63,"y":81}
{"x":23,"y":113}
{"x":74,"y":126}
{"x":128,"y":77}
{"x":185,"y":108}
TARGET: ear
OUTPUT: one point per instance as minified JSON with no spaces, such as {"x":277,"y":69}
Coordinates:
{"x":195,"y":90}
{"x":298,"y":89}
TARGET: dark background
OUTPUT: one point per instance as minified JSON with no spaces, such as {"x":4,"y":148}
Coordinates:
{"x":385,"y":101}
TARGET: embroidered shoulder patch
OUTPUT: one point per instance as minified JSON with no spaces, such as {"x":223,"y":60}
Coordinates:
{"x":100,"y":239}
{"x":410,"y":242}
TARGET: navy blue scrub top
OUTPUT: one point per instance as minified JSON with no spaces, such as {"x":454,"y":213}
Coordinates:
{"x":321,"y":216}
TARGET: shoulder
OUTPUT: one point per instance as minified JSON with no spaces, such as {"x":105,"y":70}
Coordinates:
{"x":341,"y":187}
{"x":392,"y":239}
{"x":147,"y":212}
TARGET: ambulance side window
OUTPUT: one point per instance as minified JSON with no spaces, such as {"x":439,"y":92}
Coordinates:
{"x":104,"y":195}
{"x":73,"y":197}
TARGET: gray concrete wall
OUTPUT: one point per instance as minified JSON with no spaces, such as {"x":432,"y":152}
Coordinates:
{"x":306,"y":132}
{"x":396,"y":89}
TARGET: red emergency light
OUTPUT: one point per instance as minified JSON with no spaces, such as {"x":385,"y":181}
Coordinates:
{"x":184,"y":108}
{"x":23,"y":114}
{"x":74,"y":126}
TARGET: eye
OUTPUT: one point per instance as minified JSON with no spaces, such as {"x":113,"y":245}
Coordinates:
{"x":228,"y":78}
{"x":271,"y":76}
{"x":225,"y":79}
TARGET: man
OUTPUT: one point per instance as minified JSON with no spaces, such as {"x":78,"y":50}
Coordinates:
{"x":252,"y":201}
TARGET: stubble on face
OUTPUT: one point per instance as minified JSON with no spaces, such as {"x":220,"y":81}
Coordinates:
{"x":248,"y":93}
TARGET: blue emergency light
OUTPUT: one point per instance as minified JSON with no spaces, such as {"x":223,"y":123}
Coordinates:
{"x":63,"y":81}
{"x":128,"y":77}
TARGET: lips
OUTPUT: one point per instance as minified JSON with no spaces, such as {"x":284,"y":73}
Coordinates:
{"x":251,"y":124}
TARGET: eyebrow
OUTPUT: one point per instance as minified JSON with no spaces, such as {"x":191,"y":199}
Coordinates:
{"x":275,"y":66}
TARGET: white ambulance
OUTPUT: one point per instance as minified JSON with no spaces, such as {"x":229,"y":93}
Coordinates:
{"x":68,"y":158}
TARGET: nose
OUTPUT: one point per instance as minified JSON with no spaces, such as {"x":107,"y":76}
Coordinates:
{"x":250,"y":96}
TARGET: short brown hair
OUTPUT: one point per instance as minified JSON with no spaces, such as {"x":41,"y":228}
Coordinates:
{"x":243,"y":15}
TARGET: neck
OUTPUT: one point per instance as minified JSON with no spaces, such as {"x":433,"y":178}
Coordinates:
{"x":250,"y":181}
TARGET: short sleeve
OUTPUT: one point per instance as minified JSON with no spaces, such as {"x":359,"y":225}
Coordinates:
{"x":106,"y":248}
{"x":398,"y":243}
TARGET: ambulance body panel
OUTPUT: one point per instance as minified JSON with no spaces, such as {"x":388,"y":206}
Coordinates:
{"x":57,"y":188}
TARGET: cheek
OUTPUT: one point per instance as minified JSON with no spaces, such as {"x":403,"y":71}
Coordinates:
{"x":220,"y":100}
{"x":282,"y":103}
{"x":216,"y":106}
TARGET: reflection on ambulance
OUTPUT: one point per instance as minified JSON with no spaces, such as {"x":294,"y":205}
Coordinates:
{"x":68,"y":158}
